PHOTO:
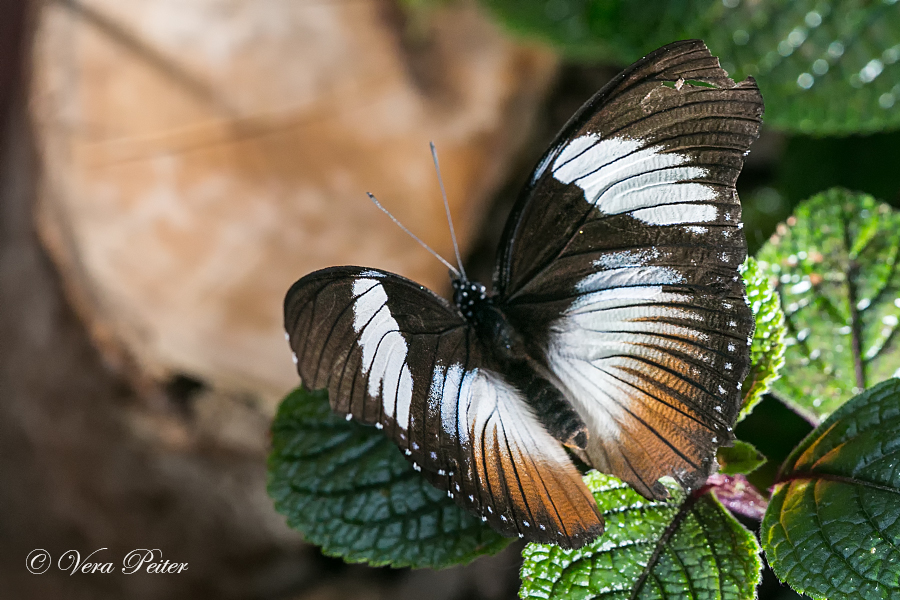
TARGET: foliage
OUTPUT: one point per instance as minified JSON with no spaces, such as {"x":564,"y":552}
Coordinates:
{"x":836,"y":269}
{"x":832,"y":526}
{"x":689,"y":547}
{"x":347,"y":489}
{"x":824,"y":67}
{"x":767,"y":348}
{"x":741,"y":458}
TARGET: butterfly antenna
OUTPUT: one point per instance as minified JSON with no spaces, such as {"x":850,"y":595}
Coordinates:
{"x":437,"y":168}
{"x":453,"y":269}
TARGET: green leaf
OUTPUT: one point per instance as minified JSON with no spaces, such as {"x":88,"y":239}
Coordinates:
{"x":767,"y":349}
{"x":824,"y":67}
{"x":611,"y":30}
{"x":740,"y":458}
{"x":836,"y":268}
{"x":348,"y":489}
{"x":832,"y":529}
{"x":684,"y":548}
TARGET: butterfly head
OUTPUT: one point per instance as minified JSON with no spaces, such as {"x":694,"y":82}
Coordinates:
{"x":467,"y":294}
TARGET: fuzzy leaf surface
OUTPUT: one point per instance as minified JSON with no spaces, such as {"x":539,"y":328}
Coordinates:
{"x":767,"y":349}
{"x":684,"y":548}
{"x":348,"y":489}
{"x":835,"y":266}
{"x":832,"y":529}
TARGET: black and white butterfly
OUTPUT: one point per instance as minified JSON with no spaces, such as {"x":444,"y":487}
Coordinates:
{"x":618,"y":326}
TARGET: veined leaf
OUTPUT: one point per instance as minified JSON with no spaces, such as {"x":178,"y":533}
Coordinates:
{"x":348,"y":489}
{"x":835,"y":265}
{"x":684,"y":548}
{"x":767,"y":349}
{"x":832,"y":529}
{"x":740,"y":458}
{"x":823,"y":66}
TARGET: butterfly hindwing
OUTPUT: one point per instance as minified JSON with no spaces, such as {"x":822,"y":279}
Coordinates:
{"x":396,"y":356}
{"x":619,"y":265}
{"x":505,"y":466}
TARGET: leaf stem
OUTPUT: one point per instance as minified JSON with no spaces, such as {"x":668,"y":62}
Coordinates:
{"x":807,"y":476}
{"x":683,"y":511}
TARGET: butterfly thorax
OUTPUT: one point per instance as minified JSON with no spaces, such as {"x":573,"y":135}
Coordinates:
{"x":467,"y":295}
{"x":506,"y":348}
{"x":490,"y":324}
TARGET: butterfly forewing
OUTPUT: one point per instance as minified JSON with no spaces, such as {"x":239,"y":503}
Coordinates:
{"x":394,"y":355}
{"x":620,"y":263}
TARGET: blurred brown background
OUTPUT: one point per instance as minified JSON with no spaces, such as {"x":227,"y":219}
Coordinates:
{"x":167,"y":170}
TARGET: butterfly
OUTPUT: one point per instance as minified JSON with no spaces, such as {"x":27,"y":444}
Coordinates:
{"x":617,"y":330}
